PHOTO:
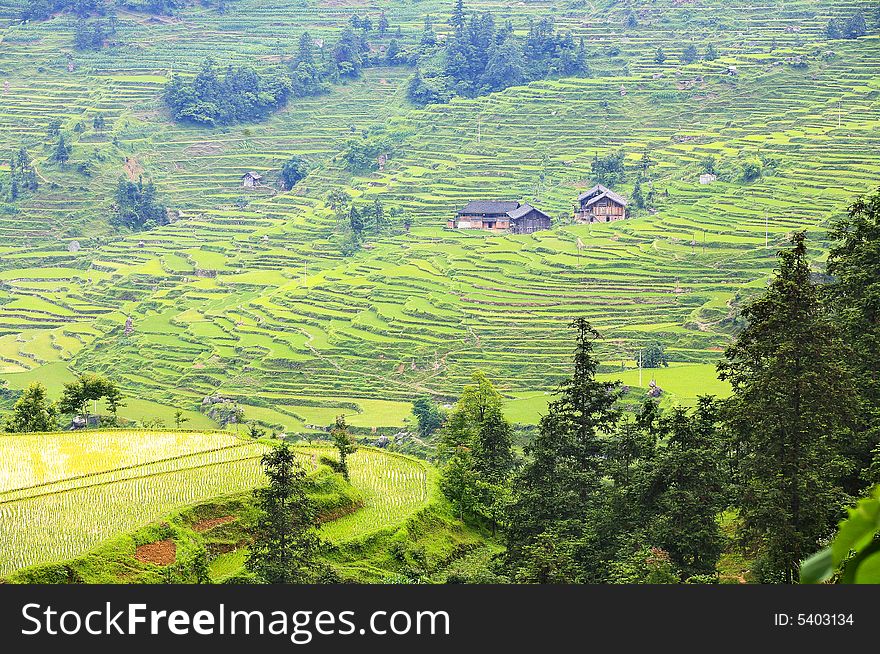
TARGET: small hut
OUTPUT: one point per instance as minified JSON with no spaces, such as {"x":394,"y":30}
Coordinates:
{"x":251,"y":179}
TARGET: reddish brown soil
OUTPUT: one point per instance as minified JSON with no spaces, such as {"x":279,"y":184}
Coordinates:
{"x":205,"y":525}
{"x":163,"y":552}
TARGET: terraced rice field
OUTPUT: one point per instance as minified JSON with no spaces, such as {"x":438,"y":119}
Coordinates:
{"x":74,"y":490}
{"x":248,"y":294}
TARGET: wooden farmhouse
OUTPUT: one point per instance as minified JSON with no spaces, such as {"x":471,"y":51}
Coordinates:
{"x":251,"y":179}
{"x":600,"y":205}
{"x":500,"y":216}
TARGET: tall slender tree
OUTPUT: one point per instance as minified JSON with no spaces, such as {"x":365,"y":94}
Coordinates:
{"x":788,"y":413}
{"x":285,"y":541}
{"x":558,"y":493}
{"x":853,"y":300}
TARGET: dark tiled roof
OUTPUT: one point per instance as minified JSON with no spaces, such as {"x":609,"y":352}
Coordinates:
{"x":522,"y":210}
{"x":489,"y":206}
{"x":599,"y":191}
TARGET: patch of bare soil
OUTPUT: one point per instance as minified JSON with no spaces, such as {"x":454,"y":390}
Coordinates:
{"x":133,"y":168}
{"x":205,"y":525}
{"x":163,"y":552}
{"x":340,"y":512}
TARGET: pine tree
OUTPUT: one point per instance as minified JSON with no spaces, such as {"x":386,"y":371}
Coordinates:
{"x":559,"y":491}
{"x":853,"y":301}
{"x":457,"y":18}
{"x":791,"y":402}
{"x":689,"y":490}
{"x":285,"y":543}
{"x":61,"y":154}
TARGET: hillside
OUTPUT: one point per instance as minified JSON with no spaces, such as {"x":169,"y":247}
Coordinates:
{"x":248,"y":294}
{"x":193,"y":489}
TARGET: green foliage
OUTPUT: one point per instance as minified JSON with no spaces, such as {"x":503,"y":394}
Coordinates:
{"x":654,"y":356}
{"x":285,"y":544}
{"x":241,"y":95}
{"x":557,"y":496}
{"x":853,"y":303}
{"x":62,"y":151}
{"x":429,"y":415}
{"x":647,"y":565}
{"x":792,"y":400}
{"x":480,"y":58}
{"x":89,"y":35}
{"x":294,"y":170}
{"x":32,"y":412}
{"x":854,"y":554}
{"x":77,"y":395}
{"x":476,"y":443}
{"x":22,"y":175}
{"x":609,"y":170}
{"x":344,"y":443}
{"x":136,"y":206}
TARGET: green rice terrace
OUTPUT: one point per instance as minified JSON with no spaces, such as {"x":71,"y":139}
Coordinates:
{"x":64,"y":485}
{"x":248,"y":295}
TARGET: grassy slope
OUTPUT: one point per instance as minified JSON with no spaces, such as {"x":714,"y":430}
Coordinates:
{"x":423,"y":545}
{"x":418,"y":312}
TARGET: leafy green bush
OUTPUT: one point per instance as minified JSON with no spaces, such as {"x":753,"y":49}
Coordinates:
{"x":854,"y":554}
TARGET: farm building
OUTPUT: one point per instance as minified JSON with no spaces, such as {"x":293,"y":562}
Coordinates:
{"x":708,"y":178}
{"x":499,"y":216}
{"x":600,"y":205}
{"x":525,"y":219}
{"x":250,"y":179}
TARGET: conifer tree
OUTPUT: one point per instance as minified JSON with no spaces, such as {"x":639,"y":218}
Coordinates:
{"x":559,"y":491}
{"x":285,"y":542}
{"x":853,"y":300}
{"x":788,"y":413}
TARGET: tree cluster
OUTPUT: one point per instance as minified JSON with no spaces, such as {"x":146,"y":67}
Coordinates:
{"x":480,"y":57}
{"x":22,"y":175}
{"x":241,"y":94}
{"x":853,"y":27}
{"x":136,"y":206}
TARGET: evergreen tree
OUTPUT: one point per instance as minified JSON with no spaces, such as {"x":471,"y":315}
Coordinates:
{"x":689,"y":54}
{"x":344,"y":443}
{"x":788,"y":414}
{"x":456,"y":21}
{"x":688,"y":490}
{"x":33,"y":411}
{"x":853,"y":302}
{"x":429,"y":37}
{"x":393,"y":53}
{"x":293,"y":170}
{"x":856,"y":26}
{"x":383,"y":23}
{"x":476,"y":444}
{"x":654,"y":356}
{"x":833,"y":30}
{"x":61,"y":154}
{"x":136,"y":206}
{"x":638,"y":198}
{"x":285,"y":542}
{"x":711,"y":53}
{"x":558,"y":493}
{"x":659,"y":56}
